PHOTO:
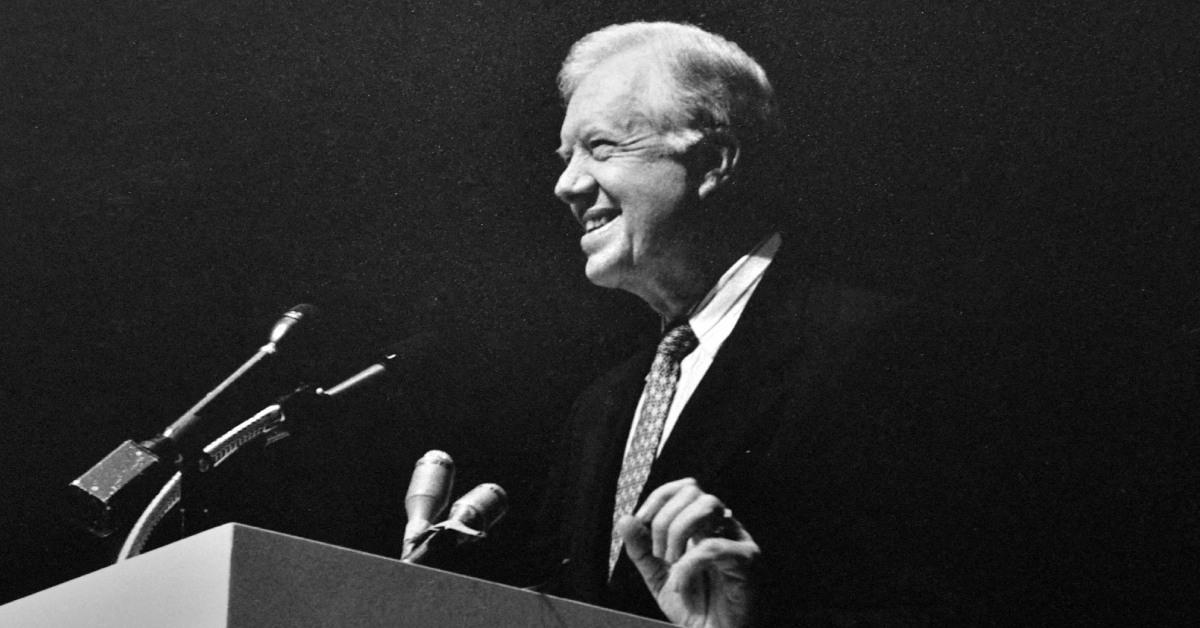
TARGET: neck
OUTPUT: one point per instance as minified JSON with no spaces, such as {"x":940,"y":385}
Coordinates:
{"x":676,"y":293}
{"x":674,"y":300}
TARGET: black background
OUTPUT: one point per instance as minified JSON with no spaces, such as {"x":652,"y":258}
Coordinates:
{"x":173,"y":175}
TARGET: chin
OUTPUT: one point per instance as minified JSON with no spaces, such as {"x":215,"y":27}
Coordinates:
{"x":602,"y":279}
{"x":602,"y":274}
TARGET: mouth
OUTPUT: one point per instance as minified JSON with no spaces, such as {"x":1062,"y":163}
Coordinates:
{"x":598,"y":217}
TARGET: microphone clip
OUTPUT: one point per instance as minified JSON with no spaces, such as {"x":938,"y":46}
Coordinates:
{"x":470,"y":517}
{"x":461,"y":531}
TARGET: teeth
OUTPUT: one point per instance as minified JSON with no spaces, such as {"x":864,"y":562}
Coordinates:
{"x":593,"y":224}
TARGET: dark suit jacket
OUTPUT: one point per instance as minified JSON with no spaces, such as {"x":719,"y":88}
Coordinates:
{"x":850,"y":438}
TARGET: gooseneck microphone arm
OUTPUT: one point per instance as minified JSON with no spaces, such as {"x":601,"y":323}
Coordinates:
{"x":175,"y":430}
{"x":189,"y":418}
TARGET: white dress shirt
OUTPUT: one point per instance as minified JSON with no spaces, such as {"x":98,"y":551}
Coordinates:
{"x":712,"y":320}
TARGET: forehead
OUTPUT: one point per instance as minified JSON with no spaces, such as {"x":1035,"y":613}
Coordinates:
{"x":617,"y":95}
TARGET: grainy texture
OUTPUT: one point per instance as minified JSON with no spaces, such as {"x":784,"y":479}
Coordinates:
{"x":174,"y":174}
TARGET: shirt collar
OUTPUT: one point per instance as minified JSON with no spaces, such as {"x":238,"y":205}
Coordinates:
{"x":708,"y":318}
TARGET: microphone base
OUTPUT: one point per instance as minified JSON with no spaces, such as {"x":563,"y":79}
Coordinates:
{"x":110,"y":494}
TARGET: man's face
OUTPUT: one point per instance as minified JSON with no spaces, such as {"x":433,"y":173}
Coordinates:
{"x":625,"y":187}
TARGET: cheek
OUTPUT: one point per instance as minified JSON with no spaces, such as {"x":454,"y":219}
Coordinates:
{"x":660,"y":206}
{"x":649,"y":193}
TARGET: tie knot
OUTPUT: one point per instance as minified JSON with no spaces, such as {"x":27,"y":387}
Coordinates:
{"x":678,"y":342}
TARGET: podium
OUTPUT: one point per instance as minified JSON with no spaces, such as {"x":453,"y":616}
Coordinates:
{"x":237,"y":576}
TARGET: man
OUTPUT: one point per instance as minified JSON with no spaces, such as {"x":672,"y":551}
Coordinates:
{"x":778,"y":458}
{"x":641,"y":169}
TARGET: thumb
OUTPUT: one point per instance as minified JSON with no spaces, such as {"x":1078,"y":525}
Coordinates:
{"x":639,"y":546}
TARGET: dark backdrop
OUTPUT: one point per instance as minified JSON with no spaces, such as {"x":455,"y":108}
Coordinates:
{"x":174,"y":174}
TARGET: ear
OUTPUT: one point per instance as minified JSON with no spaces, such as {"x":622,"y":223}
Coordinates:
{"x":721,"y":160}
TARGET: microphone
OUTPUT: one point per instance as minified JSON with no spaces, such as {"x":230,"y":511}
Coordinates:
{"x":392,"y":358}
{"x":289,"y":320}
{"x":131,"y":473}
{"x":428,"y":493}
{"x":304,"y":408}
{"x":479,"y":509}
{"x":471,"y":516}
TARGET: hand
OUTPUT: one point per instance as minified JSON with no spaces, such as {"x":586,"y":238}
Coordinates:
{"x":695,"y":557}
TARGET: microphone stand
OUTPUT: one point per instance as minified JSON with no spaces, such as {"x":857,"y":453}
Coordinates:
{"x":213,"y":454}
{"x":270,"y":423}
{"x":440,"y":537}
{"x":128,"y":475}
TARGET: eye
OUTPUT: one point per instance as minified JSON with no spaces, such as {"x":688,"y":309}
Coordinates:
{"x":601,"y":149}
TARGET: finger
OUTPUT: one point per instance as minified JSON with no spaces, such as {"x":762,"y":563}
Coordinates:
{"x":699,"y":517}
{"x":659,"y":499}
{"x":661,"y":522}
{"x":733,"y":529}
{"x":725,"y":555}
{"x":687,"y":576}
{"x":636,"y":536}
{"x":659,"y":496}
{"x":732,"y":560}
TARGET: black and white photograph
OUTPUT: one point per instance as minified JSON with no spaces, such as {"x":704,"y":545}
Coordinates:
{"x":615,"y":314}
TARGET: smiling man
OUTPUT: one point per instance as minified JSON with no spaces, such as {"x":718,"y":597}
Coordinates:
{"x":781,"y":457}
{"x":649,"y":148}
{"x":644,"y":159}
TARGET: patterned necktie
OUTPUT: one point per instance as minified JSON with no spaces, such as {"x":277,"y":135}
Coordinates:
{"x":660,"y":389}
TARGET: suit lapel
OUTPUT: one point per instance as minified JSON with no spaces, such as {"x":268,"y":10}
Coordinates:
{"x":608,"y":418}
{"x":726,"y":418}
{"x":729,"y":412}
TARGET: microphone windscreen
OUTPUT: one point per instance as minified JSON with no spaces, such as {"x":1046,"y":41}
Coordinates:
{"x":481,"y":507}
{"x":430,"y":486}
{"x":290,"y":318}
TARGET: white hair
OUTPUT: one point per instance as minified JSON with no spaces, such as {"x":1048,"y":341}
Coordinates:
{"x":717,"y":87}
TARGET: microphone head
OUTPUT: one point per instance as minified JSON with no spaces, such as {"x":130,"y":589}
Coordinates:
{"x":290,"y":319}
{"x":481,"y":507}
{"x":430,"y":486}
{"x":428,"y":492}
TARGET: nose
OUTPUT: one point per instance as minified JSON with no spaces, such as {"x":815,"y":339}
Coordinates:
{"x":574,"y":183}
